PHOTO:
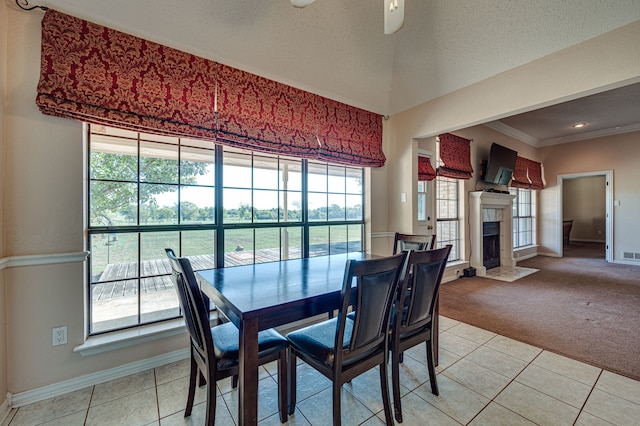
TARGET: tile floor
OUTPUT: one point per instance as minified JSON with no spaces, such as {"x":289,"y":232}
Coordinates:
{"x":484,"y":379}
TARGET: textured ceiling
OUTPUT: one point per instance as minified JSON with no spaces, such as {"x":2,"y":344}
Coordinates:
{"x":338,"y":49}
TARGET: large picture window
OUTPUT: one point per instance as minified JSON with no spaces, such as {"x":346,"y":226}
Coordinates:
{"x":218,"y":207}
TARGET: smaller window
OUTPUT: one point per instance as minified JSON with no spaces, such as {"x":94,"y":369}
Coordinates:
{"x":422,"y":200}
{"x":523,"y":217}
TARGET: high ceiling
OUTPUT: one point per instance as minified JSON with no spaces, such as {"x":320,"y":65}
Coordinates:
{"x":337,"y":48}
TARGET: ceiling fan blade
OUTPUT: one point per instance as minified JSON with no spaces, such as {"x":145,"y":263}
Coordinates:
{"x":393,"y":15}
{"x":301,"y":3}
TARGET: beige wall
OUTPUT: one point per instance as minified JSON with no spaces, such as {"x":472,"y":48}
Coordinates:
{"x":584,"y":202}
{"x":3,"y":323}
{"x":619,"y":153}
{"x":43,"y":213}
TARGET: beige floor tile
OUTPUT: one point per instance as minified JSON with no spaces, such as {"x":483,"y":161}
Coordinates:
{"x":172,"y":396}
{"x":497,"y":361}
{"x":53,"y":408}
{"x":612,"y":409}
{"x":455,"y":400}
{"x":576,"y":370}
{"x":514,"y":348}
{"x":309,"y":382}
{"x":415,"y":411}
{"x":170,"y":372}
{"x":366,"y":389}
{"x":445,"y":359}
{"x":297,"y":419}
{"x":119,"y":388}
{"x":137,"y":409}
{"x":197,"y":417}
{"x":536,"y":406}
{"x":444,"y":323}
{"x":472,"y":333}
{"x":318,"y":409}
{"x":496,"y":415}
{"x":76,"y":419}
{"x":456,"y":344}
{"x":555,"y":385}
{"x":267,"y":399}
{"x":586,"y":419}
{"x":477,"y":378}
{"x":621,"y":386}
{"x":412,"y":373}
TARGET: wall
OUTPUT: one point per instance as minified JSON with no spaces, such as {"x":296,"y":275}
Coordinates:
{"x":619,"y":153}
{"x":584,"y":202}
{"x":43,"y":214}
{"x":3,"y":324}
{"x":599,"y":64}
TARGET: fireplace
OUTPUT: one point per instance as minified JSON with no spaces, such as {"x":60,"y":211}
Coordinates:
{"x":497,"y":208}
{"x":490,"y":244}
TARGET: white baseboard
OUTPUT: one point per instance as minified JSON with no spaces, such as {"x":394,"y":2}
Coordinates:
{"x":56,"y":389}
{"x":5,"y":410}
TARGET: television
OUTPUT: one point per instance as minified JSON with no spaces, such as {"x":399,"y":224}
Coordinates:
{"x":500,"y":164}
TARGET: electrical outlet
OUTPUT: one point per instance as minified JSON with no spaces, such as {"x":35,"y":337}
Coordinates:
{"x":59,"y":336}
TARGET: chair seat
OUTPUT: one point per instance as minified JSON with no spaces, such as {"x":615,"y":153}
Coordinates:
{"x":225,"y":344}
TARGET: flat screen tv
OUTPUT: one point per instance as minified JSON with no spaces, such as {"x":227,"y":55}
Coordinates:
{"x":500,"y":165}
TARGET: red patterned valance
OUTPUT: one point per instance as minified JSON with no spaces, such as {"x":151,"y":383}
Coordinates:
{"x":99,"y":75}
{"x":455,"y":154}
{"x":527,"y":174}
{"x":425,"y":170}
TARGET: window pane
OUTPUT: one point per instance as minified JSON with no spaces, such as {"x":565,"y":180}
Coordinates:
{"x":113,"y":203}
{"x":113,"y":158}
{"x":291,"y":175}
{"x":152,"y":254}
{"x":317,"y":206}
{"x":355,"y":237}
{"x":353,"y":181}
{"x":158,"y":163}
{"x":318,"y":240}
{"x":354,"y":207}
{"x":421,"y":206}
{"x":197,"y":204}
{"x":237,"y":205}
{"x":267,"y":245}
{"x":317,"y":180}
{"x":336,"y":207}
{"x":158,"y":299}
{"x":290,"y":206}
{"x":237,"y":170}
{"x":158,"y":204}
{"x":265,"y":173}
{"x":291,"y":243}
{"x":265,"y":205}
{"x":197,"y":166}
{"x":238,"y":247}
{"x":114,"y":305}
{"x":336,"y":179}
{"x":199,"y":247}
{"x":339,"y":241}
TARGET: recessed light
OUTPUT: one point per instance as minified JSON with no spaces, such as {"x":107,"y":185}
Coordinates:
{"x":578,"y":125}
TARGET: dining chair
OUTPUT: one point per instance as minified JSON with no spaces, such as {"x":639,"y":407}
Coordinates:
{"x":412,"y":320}
{"x":403,"y":242}
{"x":344,"y":347}
{"x":214,"y":350}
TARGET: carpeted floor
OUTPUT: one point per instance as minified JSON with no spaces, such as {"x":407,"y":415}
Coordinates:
{"x":579,"y":306}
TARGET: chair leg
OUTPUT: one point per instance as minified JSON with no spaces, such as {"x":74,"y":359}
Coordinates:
{"x":234,"y":381}
{"x":282,"y":385}
{"x":384,"y":386}
{"x":193,"y":376}
{"x":291,"y":380}
{"x":431,"y":368}
{"x":337,"y":412}
{"x":395,"y":379}
{"x":211,"y":398}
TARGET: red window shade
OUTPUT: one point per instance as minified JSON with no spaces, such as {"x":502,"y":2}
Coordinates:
{"x":425,"y":170}
{"x":99,"y":75}
{"x":519,"y":178}
{"x":455,"y":153}
{"x":534,"y":170}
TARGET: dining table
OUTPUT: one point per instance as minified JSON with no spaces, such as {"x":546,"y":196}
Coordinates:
{"x":264,"y":295}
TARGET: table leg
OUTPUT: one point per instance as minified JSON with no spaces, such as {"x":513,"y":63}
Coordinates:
{"x":248,"y":373}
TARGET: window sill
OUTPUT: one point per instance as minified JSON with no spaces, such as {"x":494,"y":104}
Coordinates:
{"x":135,"y":336}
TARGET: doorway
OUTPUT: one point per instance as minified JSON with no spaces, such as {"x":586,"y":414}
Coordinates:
{"x":586,"y":201}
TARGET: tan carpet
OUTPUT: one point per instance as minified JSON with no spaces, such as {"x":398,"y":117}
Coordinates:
{"x":579,"y":306}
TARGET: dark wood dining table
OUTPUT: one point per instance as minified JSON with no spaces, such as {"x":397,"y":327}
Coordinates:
{"x":266,"y":295}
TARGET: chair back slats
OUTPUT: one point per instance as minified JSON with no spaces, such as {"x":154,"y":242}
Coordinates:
{"x":423,"y":278}
{"x":376,"y":285}
{"x":405,"y":242}
{"x":196,"y":314}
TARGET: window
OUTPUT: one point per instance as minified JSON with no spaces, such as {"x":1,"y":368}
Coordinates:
{"x":422,"y":200}
{"x":447,"y":214}
{"x":217,"y":206}
{"x":523,"y":217}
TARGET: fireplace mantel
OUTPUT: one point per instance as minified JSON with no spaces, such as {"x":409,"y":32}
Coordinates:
{"x":480,"y":204}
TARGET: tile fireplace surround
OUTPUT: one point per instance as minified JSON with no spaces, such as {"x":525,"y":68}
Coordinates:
{"x":490,"y":207}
